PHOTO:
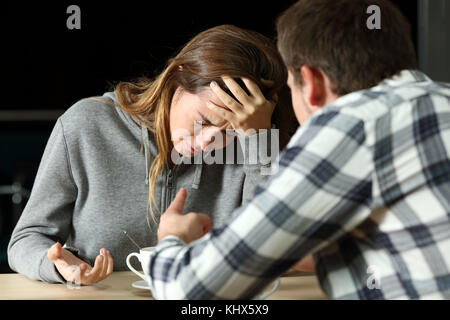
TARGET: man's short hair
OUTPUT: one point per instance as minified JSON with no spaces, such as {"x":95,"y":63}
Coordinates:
{"x":333,"y":36}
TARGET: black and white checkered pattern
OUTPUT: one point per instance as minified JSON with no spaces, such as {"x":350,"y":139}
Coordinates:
{"x":364,"y":185}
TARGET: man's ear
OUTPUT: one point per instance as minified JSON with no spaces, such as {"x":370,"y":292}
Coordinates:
{"x":314,"y":89}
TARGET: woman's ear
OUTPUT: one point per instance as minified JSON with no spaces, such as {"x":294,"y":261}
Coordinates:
{"x":314,"y":87}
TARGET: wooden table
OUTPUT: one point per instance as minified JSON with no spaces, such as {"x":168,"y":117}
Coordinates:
{"x":294,"y":286}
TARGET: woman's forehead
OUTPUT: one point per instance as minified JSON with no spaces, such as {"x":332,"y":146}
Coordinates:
{"x":207,"y":94}
{"x":199,"y":98}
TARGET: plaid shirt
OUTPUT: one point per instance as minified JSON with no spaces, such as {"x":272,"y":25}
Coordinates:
{"x":364,"y":185}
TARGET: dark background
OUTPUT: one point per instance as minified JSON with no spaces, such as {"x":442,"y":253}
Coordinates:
{"x":46,"y":68}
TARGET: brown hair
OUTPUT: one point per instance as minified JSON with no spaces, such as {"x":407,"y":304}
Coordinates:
{"x":222,"y":50}
{"x":332,"y":35}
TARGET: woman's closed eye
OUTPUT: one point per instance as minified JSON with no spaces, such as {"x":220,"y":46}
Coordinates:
{"x":203,"y":124}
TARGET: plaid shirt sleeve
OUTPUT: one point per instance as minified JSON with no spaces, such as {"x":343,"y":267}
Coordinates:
{"x":324,"y":174}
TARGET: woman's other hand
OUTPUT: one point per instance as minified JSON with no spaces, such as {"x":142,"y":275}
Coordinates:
{"x":65,"y":261}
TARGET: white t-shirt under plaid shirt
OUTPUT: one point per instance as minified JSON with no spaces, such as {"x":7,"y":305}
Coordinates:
{"x":364,"y":184}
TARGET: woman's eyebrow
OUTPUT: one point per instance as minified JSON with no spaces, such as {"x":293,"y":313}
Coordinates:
{"x":208,"y":122}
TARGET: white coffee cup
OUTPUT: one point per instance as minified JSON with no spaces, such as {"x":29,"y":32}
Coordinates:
{"x":263,"y":295}
{"x":144,"y":258}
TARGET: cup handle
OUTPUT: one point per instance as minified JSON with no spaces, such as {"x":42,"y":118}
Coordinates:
{"x":134,"y":254}
{"x":264,"y":295}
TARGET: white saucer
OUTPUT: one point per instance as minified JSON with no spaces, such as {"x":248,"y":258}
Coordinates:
{"x":141,"y":285}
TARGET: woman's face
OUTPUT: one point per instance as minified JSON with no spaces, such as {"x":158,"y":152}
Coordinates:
{"x":193,"y":127}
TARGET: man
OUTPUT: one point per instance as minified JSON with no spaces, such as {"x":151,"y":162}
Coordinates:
{"x":364,"y":185}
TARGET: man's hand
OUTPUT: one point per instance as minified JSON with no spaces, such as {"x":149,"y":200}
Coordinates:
{"x":64,"y":260}
{"x":188,"y":227}
{"x":305,"y":265}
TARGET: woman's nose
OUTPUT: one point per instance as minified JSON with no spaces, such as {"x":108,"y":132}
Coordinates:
{"x":207,"y":142}
{"x":205,"y":139}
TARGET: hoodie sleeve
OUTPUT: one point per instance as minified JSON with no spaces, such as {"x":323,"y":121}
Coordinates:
{"x":47,"y":215}
{"x":260,"y":152}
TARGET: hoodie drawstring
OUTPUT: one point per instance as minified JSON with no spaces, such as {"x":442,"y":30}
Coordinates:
{"x":144,"y":133}
{"x":197,"y":175}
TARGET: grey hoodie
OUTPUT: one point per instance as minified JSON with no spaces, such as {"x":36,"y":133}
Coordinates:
{"x":92,"y":183}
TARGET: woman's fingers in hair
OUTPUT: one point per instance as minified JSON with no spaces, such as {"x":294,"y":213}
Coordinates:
{"x":254,"y":89}
{"x":228,"y":101}
{"x":253,"y":111}
{"x":236,"y":90}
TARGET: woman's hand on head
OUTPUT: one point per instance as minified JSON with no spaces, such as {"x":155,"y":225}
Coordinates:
{"x":249,"y":113}
{"x":65,"y":261}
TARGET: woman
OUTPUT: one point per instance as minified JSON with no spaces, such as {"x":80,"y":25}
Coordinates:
{"x":109,"y":162}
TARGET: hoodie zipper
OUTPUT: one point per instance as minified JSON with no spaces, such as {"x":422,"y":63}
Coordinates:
{"x":169,"y":186}
{"x":169,"y":178}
